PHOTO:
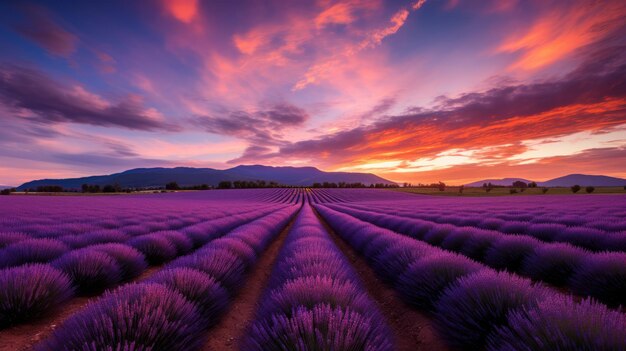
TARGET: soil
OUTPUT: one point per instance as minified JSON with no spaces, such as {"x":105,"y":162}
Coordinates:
{"x":233,"y":327}
{"x":413,"y":330}
{"x":25,"y":336}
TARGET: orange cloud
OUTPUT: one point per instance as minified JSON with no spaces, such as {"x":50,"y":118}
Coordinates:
{"x":340,"y":13}
{"x":183,"y":10}
{"x":559,"y":33}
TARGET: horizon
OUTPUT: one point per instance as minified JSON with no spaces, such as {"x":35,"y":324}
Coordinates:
{"x":399,"y":183}
{"x":412,"y":91}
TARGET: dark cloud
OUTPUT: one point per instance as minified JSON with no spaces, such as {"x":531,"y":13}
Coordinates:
{"x":263,"y":127}
{"x":47,"y":101}
{"x":502,"y":115}
{"x":41,"y":28}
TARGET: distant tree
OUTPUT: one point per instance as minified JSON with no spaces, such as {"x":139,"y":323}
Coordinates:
{"x":225,"y":184}
{"x":544,"y":190}
{"x":5,"y":192}
{"x":513,"y":191}
{"x":575,"y":188}
{"x":589,"y":189}
{"x":112,"y":188}
{"x":49,"y":189}
{"x":521,"y":190}
{"x":317,"y":185}
{"x":532,"y":185}
{"x":488,"y":189}
{"x":441,"y":186}
{"x":172,"y":186}
{"x":88,"y":188}
{"x":519,"y":184}
{"x":461,"y":188}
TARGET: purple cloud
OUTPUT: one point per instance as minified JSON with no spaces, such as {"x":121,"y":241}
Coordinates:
{"x":33,"y":94}
{"x":261,"y":127}
{"x":40,"y":28}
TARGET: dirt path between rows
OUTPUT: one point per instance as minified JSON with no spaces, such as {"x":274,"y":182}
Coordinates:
{"x":413,"y":330}
{"x":233,"y":326}
{"x":23,"y":337}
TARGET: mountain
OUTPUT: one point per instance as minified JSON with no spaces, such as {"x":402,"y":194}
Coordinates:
{"x":584,"y":180}
{"x":5,"y":187}
{"x":499,"y":182}
{"x":187,"y":176}
{"x":568,"y":180}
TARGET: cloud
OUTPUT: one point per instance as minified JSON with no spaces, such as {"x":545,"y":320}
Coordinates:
{"x":263,"y":126}
{"x":607,"y":161}
{"x":183,"y":10}
{"x":322,"y":70}
{"x":40,"y":28}
{"x":561,"y":31}
{"x":32,"y":95}
{"x":590,"y":98}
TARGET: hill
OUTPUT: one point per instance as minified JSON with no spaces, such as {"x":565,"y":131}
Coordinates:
{"x":499,"y":182}
{"x":568,"y":180}
{"x":584,"y":180}
{"x":187,"y":176}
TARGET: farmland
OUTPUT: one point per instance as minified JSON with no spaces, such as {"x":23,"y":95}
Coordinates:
{"x":322,"y":269}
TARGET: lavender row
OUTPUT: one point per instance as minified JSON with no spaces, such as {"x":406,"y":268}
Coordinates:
{"x":314,"y":300}
{"x":57,"y":216}
{"x":475,"y":307}
{"x":602,"y":212}
{"x":586,"y":237}
{"x":157,"y":246}
{"x":34,"y":289}
{"x":174,"y":308}
{"x":598,"y":275}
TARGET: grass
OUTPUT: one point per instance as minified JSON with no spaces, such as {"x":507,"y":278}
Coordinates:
{"x":454,"y":191}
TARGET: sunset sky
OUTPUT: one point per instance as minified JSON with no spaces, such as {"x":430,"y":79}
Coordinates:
{"x":416,"y":91}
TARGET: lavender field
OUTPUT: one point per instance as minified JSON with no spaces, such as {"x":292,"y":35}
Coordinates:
{"x":322,"y":269}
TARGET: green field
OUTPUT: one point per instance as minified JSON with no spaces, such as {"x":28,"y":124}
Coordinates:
{"x":454,"y":191}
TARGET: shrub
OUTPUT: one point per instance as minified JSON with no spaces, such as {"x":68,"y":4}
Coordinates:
{"x":545,"y":231}
{"x":602,"y":276}
{"x":226,"y":267}
{"x":510,"y":251}
{"x":238,"y":247}
{"x":182,"y":243}
{"x":8,"y":238}
{"x":478,"y":303}
{"x":438,"y":234}
{"x":492,"y":223}
{"x":513,"y":191}
{"x":91,"y":271}
{"x":313,"y":291}
{"x":514,"y":227}
{"x":393,"y":261}
{"x":559,"y":323}
{"x":575,"y":188}
{"x":424,"y":281}
{"x":205,"y":292}
{"x":156,"y":248}
{"x":553,"y":263}
{"x":589,"y":238}
{"x":31,"y":251}
{"x":131,"y":262}
{"x":589,"y":189}
{"x":457,"y":238}
{"x":544,"y":190}
{"x":134,"y":317}
{"x":322,"y":328}
{"x":478,"y":243}
{"x":105,"y":237}
{"x":29,"y":291}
